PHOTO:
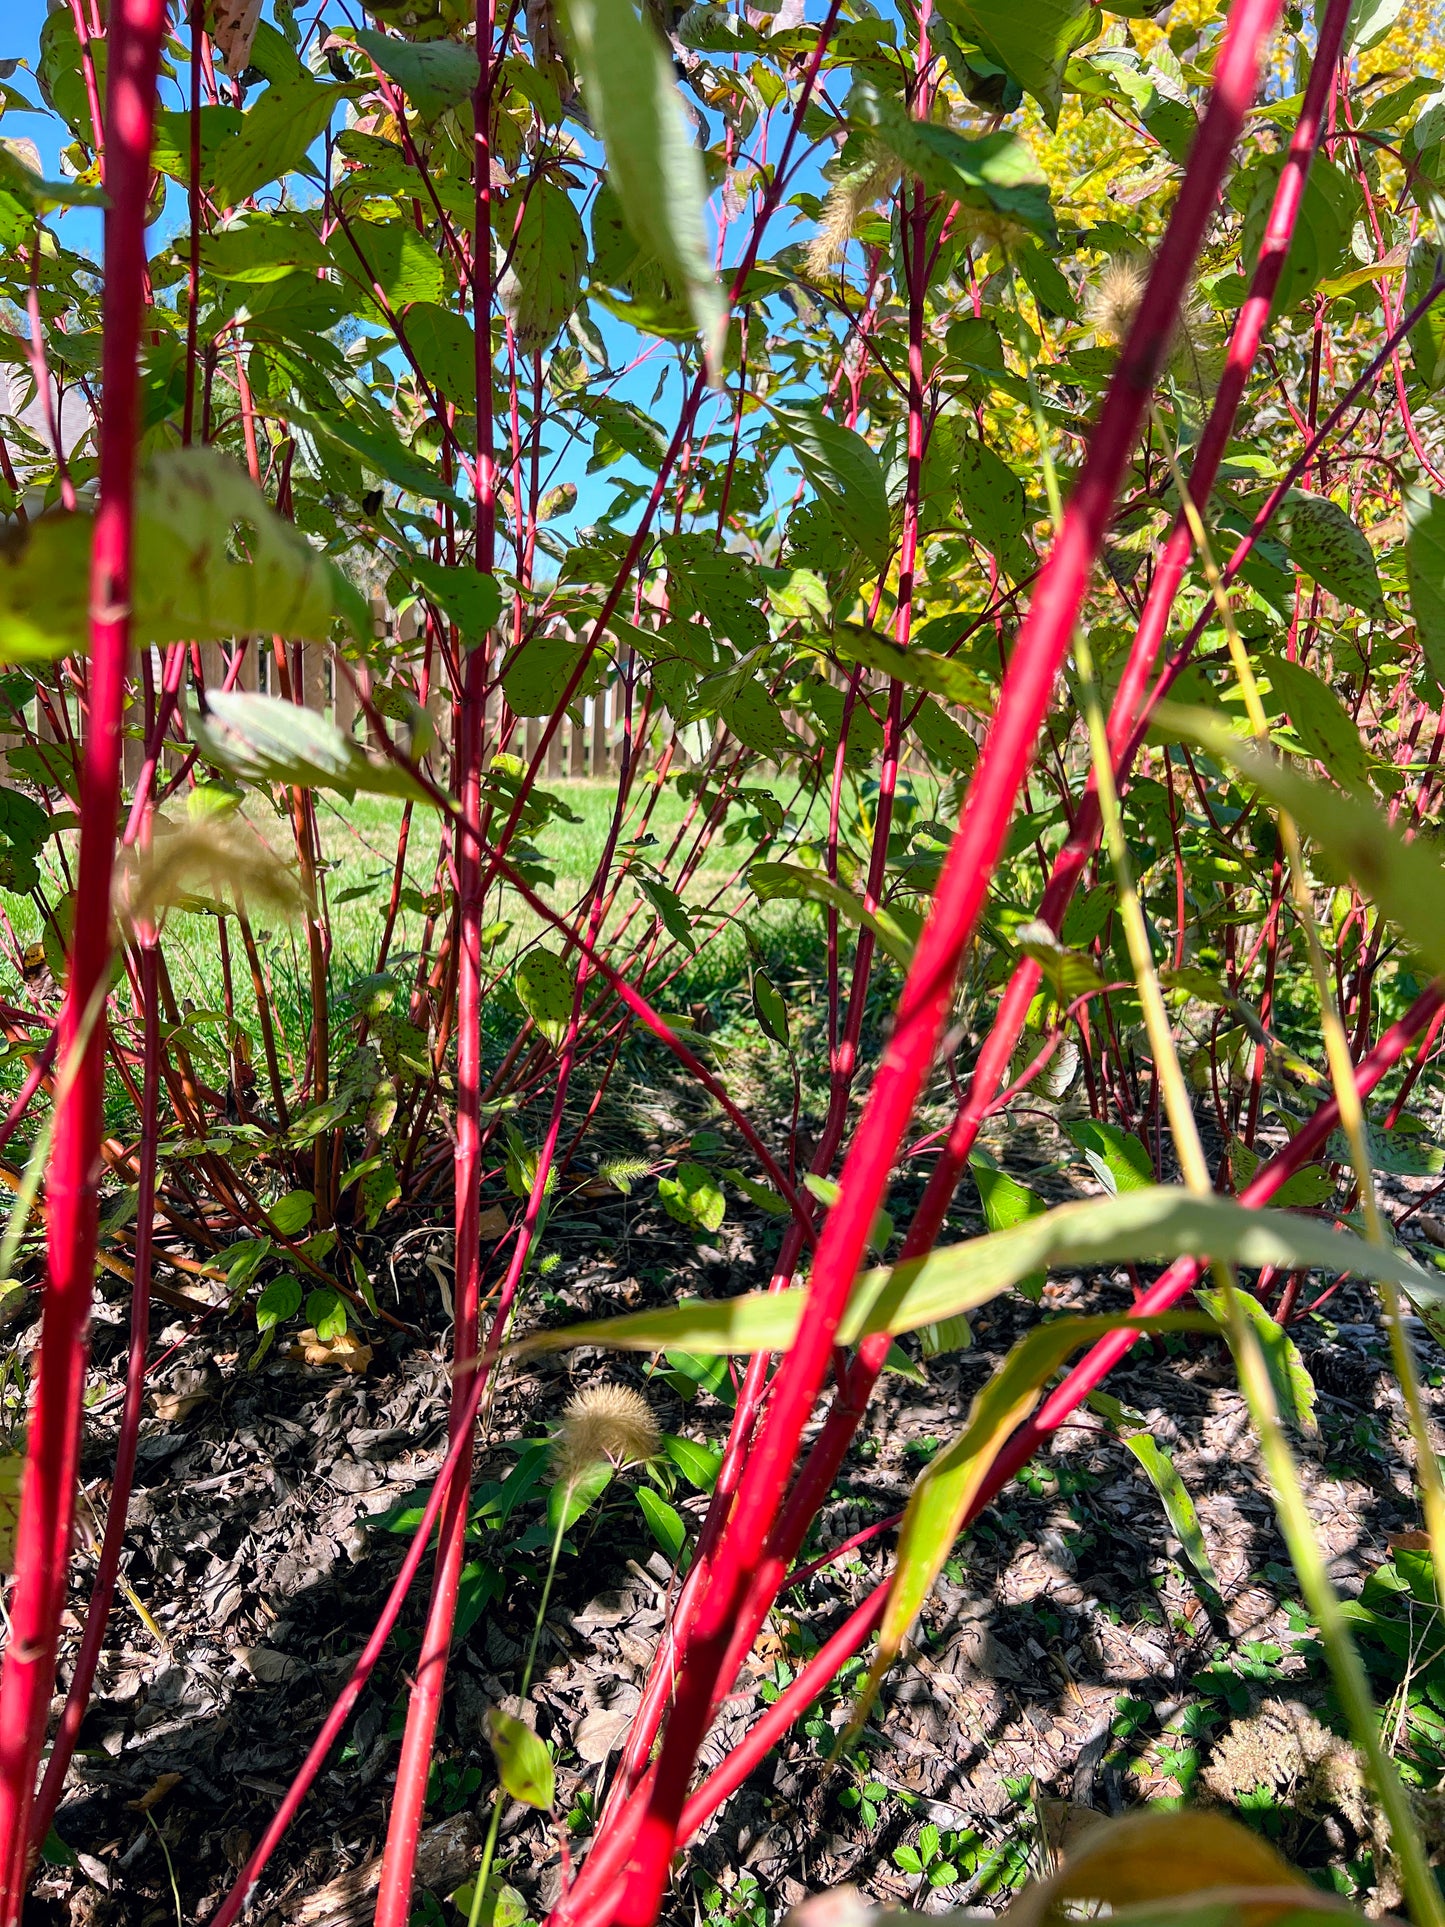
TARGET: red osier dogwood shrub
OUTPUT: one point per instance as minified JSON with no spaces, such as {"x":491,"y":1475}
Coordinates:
{"x":930,"y":407}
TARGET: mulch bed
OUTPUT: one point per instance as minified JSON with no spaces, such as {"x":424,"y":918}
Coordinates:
{"x":1067,"y":1665}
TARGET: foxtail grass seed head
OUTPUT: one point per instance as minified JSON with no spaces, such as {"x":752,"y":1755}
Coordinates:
{"x":610,"y":1423}
{"x":208,"y":857}
{"x":1112,"y":297}
{"x":846,"y":200}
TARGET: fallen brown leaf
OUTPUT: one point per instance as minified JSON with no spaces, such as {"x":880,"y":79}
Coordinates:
{"x":494,"y":1222}
{"x":768,"y":1649}
{"x":154,"y":1793}
{"x":172,"y":1407}
{"x":599,"y":1733}
{"x":1416,"y":1541}
{"x":348,"y":1351}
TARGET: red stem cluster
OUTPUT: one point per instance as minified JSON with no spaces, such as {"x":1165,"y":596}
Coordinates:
{"x":769,"y":1489}
{"x":47,"y":1509}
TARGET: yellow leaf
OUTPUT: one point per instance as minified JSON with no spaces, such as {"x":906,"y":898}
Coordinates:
{"x":1147,"y":1858}
{"x":12,"y":1469}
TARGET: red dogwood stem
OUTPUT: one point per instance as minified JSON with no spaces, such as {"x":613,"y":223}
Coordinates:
{"x":393,"y":1903}
{"x":593,"y":1898}
{"x":107,"y":1567}
{"x":1069,"y":865}
{"x":1097,"y":1362}
{"x":239,"y":1897}
{"x":963,"y":886}
{"x":828,"y":1450}
{"x":47,"y":1507}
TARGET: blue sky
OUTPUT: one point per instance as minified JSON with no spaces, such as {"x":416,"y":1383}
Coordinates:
{"x":20,"y":39}
{"x":20,"y":25}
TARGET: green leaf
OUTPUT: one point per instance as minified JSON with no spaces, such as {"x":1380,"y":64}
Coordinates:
{"x":1032,"y":43}
{"x":770,"y":1008}
{"x":433,"y":74}
{"x":12,"y":1471}
{"x":1427,"y":337}
{"x":755,"y":719}
{"x":1045,"y":281}
{"x":948,"y":744}
{"x":24,"y":829}
{"x":1425,"y":573}
{"x":993,"y":173}
{"x":1117,"y":1158}
{"x":171,"y":153}
{"x":652,"y":163}
{"x":280,"y":1300}
{"x":947,"y":1487}
{"x":690,"y":1374}
{"x":265,"y":248}
{"x":379,"y":1189}
{"x":1179,"y":1509}
{"x":391,"y":255}
{"x":544,"y":987}
{"x":1007,"y":1203}
{"x":568,"y":1499}
{"x":663,"y":1521}
{"x":693,"y":1196}
{"x":1323,"y":541}
{"x":915,"y":668}
{"x":61,"y":70}
{"x":37,"y":194}
{"x":1069,"y":974}
{"x":326,"y":1313}
{"x":1405,"y":879}
{"x":292,"y":1213}
{"x":1144,"y":1227}
{"x":1293,"y":1386}
{"x":478,"y":1584}
{"x":991,"y":495}
{"x":1370,"y":22}
{"x":503,"y":1906}
{"x":472,"y":601}
{"x":698,"y":1464}
{"x":56,"y":1853}
{"x":212,"y":560}
{"x":844,"y":473}
{"x":544,"y":276}
{"x":762,"y":1195}
{"x":771,"y":880}
{"x":273,"y":137}
{"x":676,"y":919}
{"x":947,"y":1335}
{"x":1321,"y":721}
{"x":524,"y":1766}
{"x":445,"y":349}
{"x":537,"y":674}
{"x":263,"y":739}
{"x":1320,"y":244}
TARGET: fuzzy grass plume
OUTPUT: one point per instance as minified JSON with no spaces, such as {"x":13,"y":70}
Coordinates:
{"x":608,"y":1424}
{"x":208,"y":858}
{"x":849,"y":196}
{"x":1113,"y":295}
{"x":1111,"y":298}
